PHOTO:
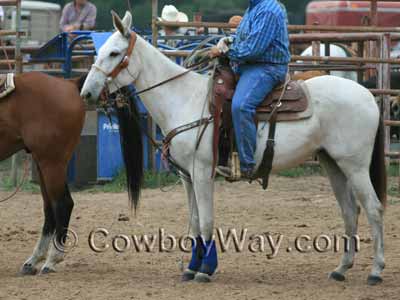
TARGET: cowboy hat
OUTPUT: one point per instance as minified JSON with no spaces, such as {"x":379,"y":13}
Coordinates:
{"x":171,"y":14}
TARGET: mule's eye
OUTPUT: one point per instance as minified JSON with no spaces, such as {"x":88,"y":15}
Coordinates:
{"x":114,"y":54}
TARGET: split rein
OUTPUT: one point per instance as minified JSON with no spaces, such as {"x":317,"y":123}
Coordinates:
{"x":122,"y":99}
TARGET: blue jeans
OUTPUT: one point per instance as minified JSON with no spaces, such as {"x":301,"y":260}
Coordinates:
{"x":255,"y":83}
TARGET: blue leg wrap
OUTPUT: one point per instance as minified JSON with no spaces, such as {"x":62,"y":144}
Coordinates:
{"x":210,"y":260}
{"x":197,"y":255}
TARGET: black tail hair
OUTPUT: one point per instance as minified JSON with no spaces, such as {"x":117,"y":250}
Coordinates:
{"x":132,"y":149}
{"x":378,"y":168}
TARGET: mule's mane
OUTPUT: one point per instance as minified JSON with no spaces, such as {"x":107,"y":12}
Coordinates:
{"x":165,"y":59}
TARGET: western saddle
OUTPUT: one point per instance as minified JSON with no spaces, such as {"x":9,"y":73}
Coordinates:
{"x":287,"y":102}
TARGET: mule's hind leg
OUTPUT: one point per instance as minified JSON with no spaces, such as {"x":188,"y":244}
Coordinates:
{"x":62,"y":204}
{"x":42,"y":246}
{"x":364,"y":190}
{"x":349,"y":208}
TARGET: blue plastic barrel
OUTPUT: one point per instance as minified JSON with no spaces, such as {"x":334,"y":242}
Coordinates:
{"x":109,"y":155}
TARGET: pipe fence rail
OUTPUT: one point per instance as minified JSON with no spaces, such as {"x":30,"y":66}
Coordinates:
{"x":373,"y":53}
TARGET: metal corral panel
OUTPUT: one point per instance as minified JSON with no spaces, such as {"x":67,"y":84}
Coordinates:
{"x":351,"y":13}
{"x":40,"y":20}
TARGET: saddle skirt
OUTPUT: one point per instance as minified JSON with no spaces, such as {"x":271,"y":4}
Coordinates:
{"x":7,"y":85}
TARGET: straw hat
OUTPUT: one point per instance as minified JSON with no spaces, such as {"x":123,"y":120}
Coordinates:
{"x":171,"y":14}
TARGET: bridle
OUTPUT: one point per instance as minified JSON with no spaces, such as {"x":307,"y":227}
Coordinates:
{"x":124,"y":63}
{"x":167,"y":141}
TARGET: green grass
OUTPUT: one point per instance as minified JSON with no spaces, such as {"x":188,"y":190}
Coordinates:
{"x":394,"y":170}
{"x":5,"y":164}
{"x":151,"y":181}
{"x":393,"y":190}
{"x":27,"y":186}
{"x":302,"y":171}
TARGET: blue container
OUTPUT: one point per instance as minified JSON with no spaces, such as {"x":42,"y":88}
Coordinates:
{"x":109,"y":155}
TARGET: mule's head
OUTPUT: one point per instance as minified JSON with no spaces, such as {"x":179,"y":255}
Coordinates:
{"x":115,"y":67}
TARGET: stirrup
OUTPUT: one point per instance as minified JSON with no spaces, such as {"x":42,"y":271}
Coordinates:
{"x":233,"y":173}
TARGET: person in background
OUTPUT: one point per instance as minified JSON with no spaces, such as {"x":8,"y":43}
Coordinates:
{"x":171,"y":14}
{"x":78,"y":15}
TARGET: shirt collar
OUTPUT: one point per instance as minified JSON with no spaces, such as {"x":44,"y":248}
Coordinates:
{"x":254,"y":2}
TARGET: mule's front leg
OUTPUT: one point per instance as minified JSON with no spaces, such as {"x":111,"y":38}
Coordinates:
{"x":205,"y":246}
{"x":195,"y":262}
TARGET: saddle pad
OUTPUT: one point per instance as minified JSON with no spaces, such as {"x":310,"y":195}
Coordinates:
{"x":293,"y":99}
{"x":289,"y":112}
{"x":7,"y":85}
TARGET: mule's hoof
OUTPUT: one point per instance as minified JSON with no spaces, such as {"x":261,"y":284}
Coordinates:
{"x":337,"y":276}
{"x":202,"y":278}
{"x":28,"y":270}
{"x":374,"y":280}
{"x":47,"y":270}
{"x":188,"y":275}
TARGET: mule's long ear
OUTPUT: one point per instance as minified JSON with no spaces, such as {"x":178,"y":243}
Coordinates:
{"x":124,"y":25}
{"x":127,"y":21}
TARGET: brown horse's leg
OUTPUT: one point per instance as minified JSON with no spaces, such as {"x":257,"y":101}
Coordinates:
{"x":42,"y":246}
{"x":61,"y":205}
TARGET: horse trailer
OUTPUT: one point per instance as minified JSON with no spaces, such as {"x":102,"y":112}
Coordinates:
{"x":40,"y":21}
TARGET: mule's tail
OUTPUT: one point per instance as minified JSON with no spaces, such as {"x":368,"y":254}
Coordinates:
{"x":132,"y":149}
{"x":377,"y":169}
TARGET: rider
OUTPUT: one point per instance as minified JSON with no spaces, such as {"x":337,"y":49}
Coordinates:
{"x":259,"y":54}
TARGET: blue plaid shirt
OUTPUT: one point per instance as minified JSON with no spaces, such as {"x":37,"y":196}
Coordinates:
{"x":262,"y":36}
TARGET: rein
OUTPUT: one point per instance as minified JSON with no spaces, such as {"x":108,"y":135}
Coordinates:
{"x":167,"y":141}
{"x":190,"y":69}
{"x":125,"y":63}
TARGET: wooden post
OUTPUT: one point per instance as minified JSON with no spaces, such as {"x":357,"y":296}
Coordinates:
{"x":360,"y":53}
{"x":18,"y":27}
{"x":384,"y":83}
{"x":374,"y":13}
{"x":316,"y":50}
{"x":328,"y":52}
{"x":150,"y":124}
{"x":18,"y":70}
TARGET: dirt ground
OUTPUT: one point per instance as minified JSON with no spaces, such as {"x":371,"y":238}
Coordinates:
{"x":290,"y":207}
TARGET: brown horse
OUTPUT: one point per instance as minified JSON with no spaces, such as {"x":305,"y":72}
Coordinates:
{"x":44,"y":116}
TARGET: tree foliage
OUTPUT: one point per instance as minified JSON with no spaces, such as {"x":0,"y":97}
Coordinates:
{"x":212,"y":10}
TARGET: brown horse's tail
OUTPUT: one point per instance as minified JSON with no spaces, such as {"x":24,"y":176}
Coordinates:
{"x":377,"y":169}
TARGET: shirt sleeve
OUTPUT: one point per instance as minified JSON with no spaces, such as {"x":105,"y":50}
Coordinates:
{"x":258,"y":40}
{"x":89,"y":21}
{"x":64,"y":19}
